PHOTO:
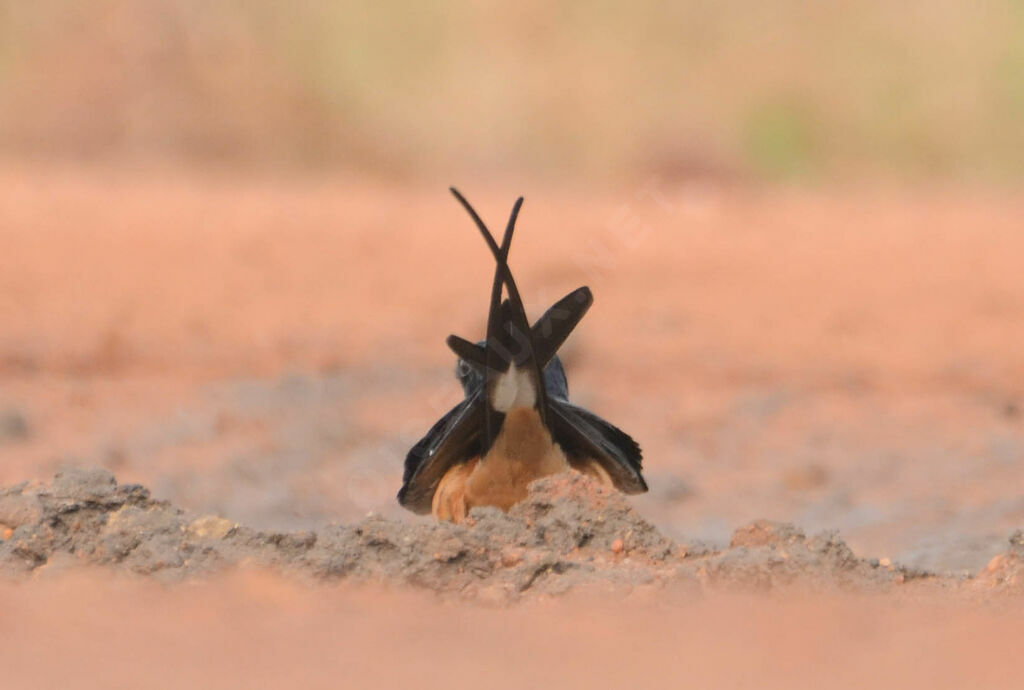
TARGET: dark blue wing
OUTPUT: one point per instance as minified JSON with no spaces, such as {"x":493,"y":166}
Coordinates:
{"x":455,"y":438}
{"x":583,"y":435}
{"x":554,"y":379}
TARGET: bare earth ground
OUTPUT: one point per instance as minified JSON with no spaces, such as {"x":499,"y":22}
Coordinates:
{"x":266,"y":350}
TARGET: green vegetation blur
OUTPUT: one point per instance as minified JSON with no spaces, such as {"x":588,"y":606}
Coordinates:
{"x":778,"y":89}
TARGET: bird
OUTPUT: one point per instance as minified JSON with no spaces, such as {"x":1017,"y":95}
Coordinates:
{"x":515,"y":423}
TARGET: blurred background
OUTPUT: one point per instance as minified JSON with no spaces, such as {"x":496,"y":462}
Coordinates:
{"x":228,"y":259}
{"x":567,"y":89}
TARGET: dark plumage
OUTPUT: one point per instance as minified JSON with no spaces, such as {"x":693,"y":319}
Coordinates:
{"x":515,"y":366}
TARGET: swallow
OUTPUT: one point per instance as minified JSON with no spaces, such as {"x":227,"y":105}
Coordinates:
{"x":515,"y":423}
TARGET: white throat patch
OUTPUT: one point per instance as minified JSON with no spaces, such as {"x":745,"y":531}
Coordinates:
{"x":513,"y":389}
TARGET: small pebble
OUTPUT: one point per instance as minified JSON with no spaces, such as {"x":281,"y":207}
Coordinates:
{"x":617,"y":546}
{"x":211,"y":527}
{"x":510,"y":559}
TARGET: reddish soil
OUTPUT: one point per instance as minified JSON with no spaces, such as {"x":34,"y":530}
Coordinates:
{"x":267,"y":349}
{"x":257,"y":631}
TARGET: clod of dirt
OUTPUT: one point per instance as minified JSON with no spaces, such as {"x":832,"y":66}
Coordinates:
{"x":559,"y":538}
{"x":569,"y":533}
{"x":1006,"y":571}
{"x":1011,"y":409}
{"x":13,"y":426}
{"x":766,"y":554}
{"x":570,"y":511}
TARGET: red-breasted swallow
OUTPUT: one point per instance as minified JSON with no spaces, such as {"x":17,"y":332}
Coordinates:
{"x":516,"y":423}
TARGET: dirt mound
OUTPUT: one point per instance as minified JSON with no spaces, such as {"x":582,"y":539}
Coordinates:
{"x":765,"y":555}
{"x":569,"y":534}
{"x":1006,"y":571}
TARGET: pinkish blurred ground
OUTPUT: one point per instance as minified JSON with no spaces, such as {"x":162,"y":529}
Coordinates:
{"x":269,"y":348}
{"x":254,"y":631}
